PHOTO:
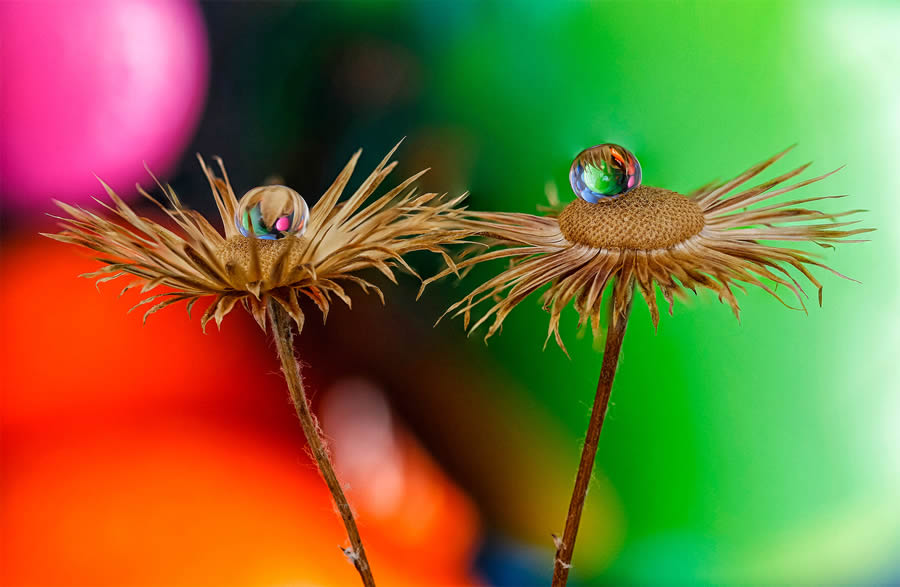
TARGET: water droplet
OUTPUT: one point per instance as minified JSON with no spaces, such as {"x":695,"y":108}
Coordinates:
{"x":272,"y":212}
{"x":605,"y":171}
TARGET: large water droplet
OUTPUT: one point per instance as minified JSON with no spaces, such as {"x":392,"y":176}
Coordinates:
{"x":272,"y":212}
{"x":605,"y":171}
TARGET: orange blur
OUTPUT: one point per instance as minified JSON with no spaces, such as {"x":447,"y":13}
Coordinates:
{"x":157,"y":455}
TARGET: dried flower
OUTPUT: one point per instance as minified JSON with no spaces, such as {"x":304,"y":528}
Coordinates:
{"x":622,"y":235}
{"x":273,"y":249}
{"x":650,"y":237}
{"x":340,"y":239}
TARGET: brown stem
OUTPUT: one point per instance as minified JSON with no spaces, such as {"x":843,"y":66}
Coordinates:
{"x":284,"y":341}
{"x":565,"y":546}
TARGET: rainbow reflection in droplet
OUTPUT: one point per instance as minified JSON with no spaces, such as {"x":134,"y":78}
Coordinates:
{"x":272,"y":212}
{"x":603,"y":172}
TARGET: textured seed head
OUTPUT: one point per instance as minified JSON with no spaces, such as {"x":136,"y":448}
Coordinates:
{"x":645,"y":218}
{"x":237,"y":252}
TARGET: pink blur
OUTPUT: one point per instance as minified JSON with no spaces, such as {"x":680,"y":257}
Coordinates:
{"x":96,"y":87}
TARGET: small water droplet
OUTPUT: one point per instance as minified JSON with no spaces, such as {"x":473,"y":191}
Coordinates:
{"x":603,"y":172}
{"x":272,"y":212}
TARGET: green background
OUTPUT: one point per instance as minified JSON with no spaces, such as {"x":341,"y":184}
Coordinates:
{"x":760,"y":451}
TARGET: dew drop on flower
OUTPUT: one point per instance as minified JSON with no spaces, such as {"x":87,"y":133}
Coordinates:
{"x":604,"y":171}
{"x":272,"y":212}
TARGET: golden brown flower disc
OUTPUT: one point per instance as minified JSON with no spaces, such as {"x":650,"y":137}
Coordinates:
{"x":237,"y":252}
{"x":645,"y":218}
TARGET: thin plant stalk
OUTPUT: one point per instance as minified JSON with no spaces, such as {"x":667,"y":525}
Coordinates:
{"x":284,"y":341}
{"x":565,"y":546}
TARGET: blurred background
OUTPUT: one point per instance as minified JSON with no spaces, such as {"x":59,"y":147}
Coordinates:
{"x":759,"y":452}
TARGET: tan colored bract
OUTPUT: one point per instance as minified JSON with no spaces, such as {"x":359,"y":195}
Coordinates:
{"x":650,"y":237}
{"x":341,"y":239}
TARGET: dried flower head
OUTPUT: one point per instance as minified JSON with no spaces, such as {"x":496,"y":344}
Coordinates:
{"x":274,"y":247}
{"x":650,"y":237}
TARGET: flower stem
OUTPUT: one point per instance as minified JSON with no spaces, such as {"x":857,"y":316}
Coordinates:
{"x":614,"y":336}
{"x":284,"y":341}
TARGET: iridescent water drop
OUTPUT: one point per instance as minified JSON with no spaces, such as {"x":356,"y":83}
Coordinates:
{"x":603,"y":172}
{"x":272,"y":212}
